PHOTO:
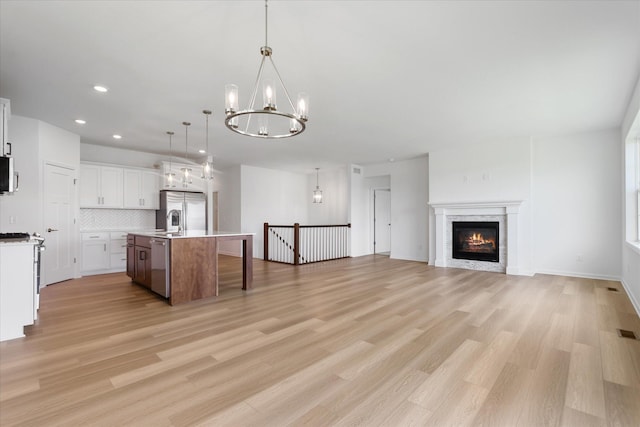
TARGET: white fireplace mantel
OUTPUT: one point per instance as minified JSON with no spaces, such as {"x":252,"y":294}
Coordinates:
{"x":509,"y":209}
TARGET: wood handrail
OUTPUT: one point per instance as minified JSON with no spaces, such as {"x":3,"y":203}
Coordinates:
{"x":267,"y":225}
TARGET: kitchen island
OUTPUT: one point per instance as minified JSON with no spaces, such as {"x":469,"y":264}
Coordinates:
{"x":183,"y":266}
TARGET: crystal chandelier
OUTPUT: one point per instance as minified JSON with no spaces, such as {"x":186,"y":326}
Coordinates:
{"x":317,"y":193}
{"x":268,"y":121}
{"x":170,"y":177}
{"x":207,"y":165}
{"x":186,"y":171}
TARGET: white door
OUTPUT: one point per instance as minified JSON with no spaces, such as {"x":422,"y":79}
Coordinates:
{"x":381,"y":221}
{"x":59,"y":190}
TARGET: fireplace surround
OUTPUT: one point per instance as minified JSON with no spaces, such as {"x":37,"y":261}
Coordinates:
{"x":506,"y":213}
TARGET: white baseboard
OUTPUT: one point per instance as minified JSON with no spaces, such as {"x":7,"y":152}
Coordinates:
{"x":634,"y":301}
{"x":578,"y":274}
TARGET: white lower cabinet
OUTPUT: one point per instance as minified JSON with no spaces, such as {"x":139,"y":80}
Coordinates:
{"x":17,"y":289}
{"x":104,"y":252}
{"x":95,"y":252}
{"x":118,"y":250}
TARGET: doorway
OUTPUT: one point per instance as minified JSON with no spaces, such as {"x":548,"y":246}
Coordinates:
{"x":58,"y":261}
{"x":382,"y":221}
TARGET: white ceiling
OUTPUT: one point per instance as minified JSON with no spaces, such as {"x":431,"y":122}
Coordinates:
{"x":386,"y":79}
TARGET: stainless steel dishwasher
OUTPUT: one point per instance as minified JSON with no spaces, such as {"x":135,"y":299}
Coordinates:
{"x":161,"y":266}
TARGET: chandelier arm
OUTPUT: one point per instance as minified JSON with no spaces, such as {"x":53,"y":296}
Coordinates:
{"x":255,"y":92}
{"x":286,"y":92}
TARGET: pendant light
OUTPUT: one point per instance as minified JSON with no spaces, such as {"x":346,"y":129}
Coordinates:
{"x":207,"y":165}
{"x":186,"y":171}
{"x":170,"y":177}
{"x":317,"y":193}
{"x":268,"y":121}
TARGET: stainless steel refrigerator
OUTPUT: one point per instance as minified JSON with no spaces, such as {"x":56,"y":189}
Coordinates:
{"x":182,"y":211}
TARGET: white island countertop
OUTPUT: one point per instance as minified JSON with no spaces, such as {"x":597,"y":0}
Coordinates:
{"x":191,"y":234}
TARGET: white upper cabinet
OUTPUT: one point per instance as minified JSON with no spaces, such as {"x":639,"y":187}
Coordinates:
{"x":100,"y":186}
{"x":141,"y":189}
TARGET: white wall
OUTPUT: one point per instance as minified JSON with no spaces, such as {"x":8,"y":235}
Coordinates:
{"x":33,"y":144}
{"x":358,"y":211}
{"x":409,"y":183}
{"x":577,"y":199}
{"x":59,"y":146}
{"x":229,"y":212}
{"x":272,"y":196}
{"x":119,"y":156}
{"x":499,"y":171}
{"x":21,"y":211}
{"x":334,"y":208}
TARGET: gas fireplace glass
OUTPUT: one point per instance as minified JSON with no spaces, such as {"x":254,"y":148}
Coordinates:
{"x":476,"y":241}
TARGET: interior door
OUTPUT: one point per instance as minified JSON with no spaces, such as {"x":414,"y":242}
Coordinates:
{"x":59,"y":191}
{"x":382,"y":221}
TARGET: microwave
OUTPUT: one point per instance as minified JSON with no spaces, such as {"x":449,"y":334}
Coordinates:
{"x":8,"y":183}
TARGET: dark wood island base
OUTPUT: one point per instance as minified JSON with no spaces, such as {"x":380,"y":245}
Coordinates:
{"x":193,"y":264}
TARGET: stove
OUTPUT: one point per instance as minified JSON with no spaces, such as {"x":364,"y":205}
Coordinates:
{"x":15,"y":237}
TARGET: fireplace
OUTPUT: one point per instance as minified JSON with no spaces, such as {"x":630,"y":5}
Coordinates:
{"x":476,"y":241}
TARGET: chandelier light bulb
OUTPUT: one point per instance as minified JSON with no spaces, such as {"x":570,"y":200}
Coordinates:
{"x":269,"y":95}
{"x":303,"y":106}
{"x":231,"y":98}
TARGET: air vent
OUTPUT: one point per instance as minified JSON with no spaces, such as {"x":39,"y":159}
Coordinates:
{"x":623,"y":333}
{"x":356,"y":171}
{"x":613,"y":289}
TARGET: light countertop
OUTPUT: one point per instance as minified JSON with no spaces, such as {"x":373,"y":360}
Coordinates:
{"x":191,"y":234}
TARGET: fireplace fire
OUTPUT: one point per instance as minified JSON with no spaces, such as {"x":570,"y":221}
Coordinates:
{"x":476,"y":241}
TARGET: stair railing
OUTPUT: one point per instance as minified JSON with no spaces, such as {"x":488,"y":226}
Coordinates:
{"x":302,"y":244}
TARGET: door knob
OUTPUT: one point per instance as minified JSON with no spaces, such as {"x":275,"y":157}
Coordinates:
{"x":49,"y":230}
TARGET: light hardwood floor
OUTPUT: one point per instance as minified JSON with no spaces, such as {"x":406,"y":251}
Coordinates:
{"x":366,"y":341}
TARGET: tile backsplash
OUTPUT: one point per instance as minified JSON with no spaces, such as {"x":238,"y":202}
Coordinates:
{"x":117,"y":219}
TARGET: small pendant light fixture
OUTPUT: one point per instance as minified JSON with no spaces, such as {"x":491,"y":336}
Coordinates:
{"x":268,"y":121}
{"x":207,"y":165}
{"x":317,"y":193}
{"x":170,"y":177}
{"x":186,"y":171}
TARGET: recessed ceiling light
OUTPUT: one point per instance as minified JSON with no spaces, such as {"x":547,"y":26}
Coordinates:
{"x":201,"y":151}
{"x":80,"y":121}
{"x":116,"y":136}
{"x":99,"y":88}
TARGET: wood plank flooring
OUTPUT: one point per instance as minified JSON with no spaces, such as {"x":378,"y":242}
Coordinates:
{"x":367,"y":341}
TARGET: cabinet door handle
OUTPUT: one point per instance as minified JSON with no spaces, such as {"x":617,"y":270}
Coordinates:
{"x":49,"y":230}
